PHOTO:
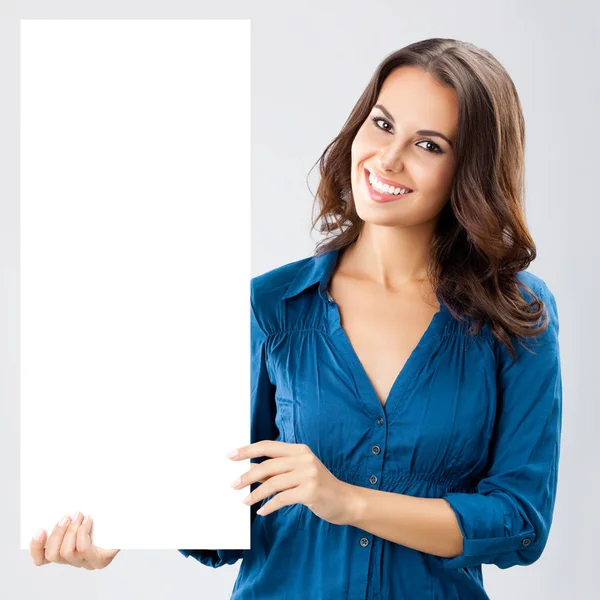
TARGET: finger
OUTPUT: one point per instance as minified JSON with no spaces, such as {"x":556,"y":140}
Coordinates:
{"x":276,"y":484}
{"x":256,"y":466}
{"x":268,"y":448}
{"x":36,"y":550}
{"x":68,"y":550}
{"x":276,"y":466}
{"x":280,"y":500}
{"x":92,"y":556}
{"x":55,"y":541}
{"x":84,"y":543}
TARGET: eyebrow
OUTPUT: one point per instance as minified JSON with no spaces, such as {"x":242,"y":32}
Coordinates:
{"x":430,"y":132}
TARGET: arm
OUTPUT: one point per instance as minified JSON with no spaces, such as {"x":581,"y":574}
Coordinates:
{"x":424,"y":524}
{"x":507,"y":520}
{"x":262,"y":427}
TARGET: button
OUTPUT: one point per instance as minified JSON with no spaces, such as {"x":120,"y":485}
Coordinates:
{"x":526,"y":542}
{"x":376,"y":449}
{"x":380,"y":420}
{"x":364,"y":542}
{"x":373,"y":479}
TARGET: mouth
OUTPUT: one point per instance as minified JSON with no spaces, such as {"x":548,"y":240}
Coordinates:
{"x":379,"y":195}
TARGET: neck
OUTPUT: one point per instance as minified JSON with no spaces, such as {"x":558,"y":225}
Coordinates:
{"x":392,"y":257}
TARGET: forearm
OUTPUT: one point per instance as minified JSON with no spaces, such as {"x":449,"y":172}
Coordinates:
{"x":425,"y":524}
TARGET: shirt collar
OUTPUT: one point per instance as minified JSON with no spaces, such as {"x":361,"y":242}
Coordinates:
{"x":317,"y":270}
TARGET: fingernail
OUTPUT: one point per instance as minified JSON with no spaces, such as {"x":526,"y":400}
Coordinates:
{"x":75,"y":515}
{"x":63,"y":521}
{"x":39,"y":534}
{"x":232,"y":454}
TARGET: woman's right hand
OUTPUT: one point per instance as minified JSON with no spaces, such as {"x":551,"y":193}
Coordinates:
{"x":70,"y":544}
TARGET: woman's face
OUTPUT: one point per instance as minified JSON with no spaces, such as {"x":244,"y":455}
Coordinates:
{"x":392,"y":147}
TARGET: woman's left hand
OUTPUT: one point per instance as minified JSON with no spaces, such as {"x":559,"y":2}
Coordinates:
{"x":297,"y":476}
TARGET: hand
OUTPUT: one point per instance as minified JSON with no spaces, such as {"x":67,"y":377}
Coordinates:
{"x":70,"y":544}
{"x":297,"y":476}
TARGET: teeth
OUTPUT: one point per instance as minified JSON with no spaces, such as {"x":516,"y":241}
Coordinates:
{"x":385,"y":188}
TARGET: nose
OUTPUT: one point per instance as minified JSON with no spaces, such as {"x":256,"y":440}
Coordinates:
{"x":390,"y":160}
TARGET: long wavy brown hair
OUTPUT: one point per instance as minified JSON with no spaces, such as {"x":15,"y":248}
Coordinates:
{"x":481,"y":239}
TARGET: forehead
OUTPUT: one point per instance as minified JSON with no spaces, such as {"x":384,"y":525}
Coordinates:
{"x":418,"y":100}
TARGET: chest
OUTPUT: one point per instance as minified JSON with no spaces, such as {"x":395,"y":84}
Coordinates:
{"x":383,"y":329}
{"x":409,"y":384}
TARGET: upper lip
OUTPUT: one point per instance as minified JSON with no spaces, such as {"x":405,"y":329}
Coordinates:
{"x":385,"y":180}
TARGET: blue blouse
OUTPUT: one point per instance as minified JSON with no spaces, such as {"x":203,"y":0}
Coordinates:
{"x":462,"y":422}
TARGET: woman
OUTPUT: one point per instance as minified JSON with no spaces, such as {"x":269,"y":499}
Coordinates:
{"x":406,"y":383}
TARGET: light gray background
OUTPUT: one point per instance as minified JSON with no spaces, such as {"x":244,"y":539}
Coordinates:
{"x":310,"y":63}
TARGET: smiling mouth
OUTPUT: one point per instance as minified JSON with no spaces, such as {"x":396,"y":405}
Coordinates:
{"x":380,"y":196}
{"x":389,"y":183}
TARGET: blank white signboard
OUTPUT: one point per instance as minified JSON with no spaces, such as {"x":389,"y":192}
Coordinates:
{"x":135,"y":271}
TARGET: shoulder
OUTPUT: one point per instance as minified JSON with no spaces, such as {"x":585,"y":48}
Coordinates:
{"x":548,"y":336}
{"x":268,"y":288}
{"x":542,"y":291}
{"x":272,"y":285}
{"x":533,"y":282}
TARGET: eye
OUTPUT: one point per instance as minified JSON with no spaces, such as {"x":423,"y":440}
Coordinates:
{"x":376,"y":119}
{"x":436,"y":149}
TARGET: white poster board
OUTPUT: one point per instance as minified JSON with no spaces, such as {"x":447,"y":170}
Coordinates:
{"x":134,"y":273}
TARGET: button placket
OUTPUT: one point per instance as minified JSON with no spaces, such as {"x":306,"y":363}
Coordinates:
{"x":373,"y":479}
{"x":364,"y":542}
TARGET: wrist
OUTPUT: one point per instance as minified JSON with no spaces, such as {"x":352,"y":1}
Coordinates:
{"x":355,"y":503}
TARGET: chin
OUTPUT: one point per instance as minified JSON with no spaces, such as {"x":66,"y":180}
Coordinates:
{"x":380,"y":221}
{"x":393,"y":218}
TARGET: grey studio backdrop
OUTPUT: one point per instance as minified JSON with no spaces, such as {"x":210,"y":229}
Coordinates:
{"x":310,"y":62}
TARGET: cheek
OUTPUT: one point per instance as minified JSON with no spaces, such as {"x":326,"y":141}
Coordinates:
{"x":357,"y":149}
{"x":359,"y":152}
{"x":434,"y":179}
{"x":364,"y":144}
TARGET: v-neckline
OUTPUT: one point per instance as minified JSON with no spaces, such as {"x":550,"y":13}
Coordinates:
{"x":405,"y":376}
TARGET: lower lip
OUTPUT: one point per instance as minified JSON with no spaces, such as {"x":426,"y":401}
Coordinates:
{"x":379,"y":197}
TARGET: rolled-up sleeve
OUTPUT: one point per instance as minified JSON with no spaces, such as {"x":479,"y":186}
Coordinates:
{"x":506,"y":521}
{"x":262,"y":424}
{"x":214,"y":558}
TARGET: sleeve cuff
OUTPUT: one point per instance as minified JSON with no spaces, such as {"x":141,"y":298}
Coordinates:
{"x":486,"y":532}
{"x":214,"y":558}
